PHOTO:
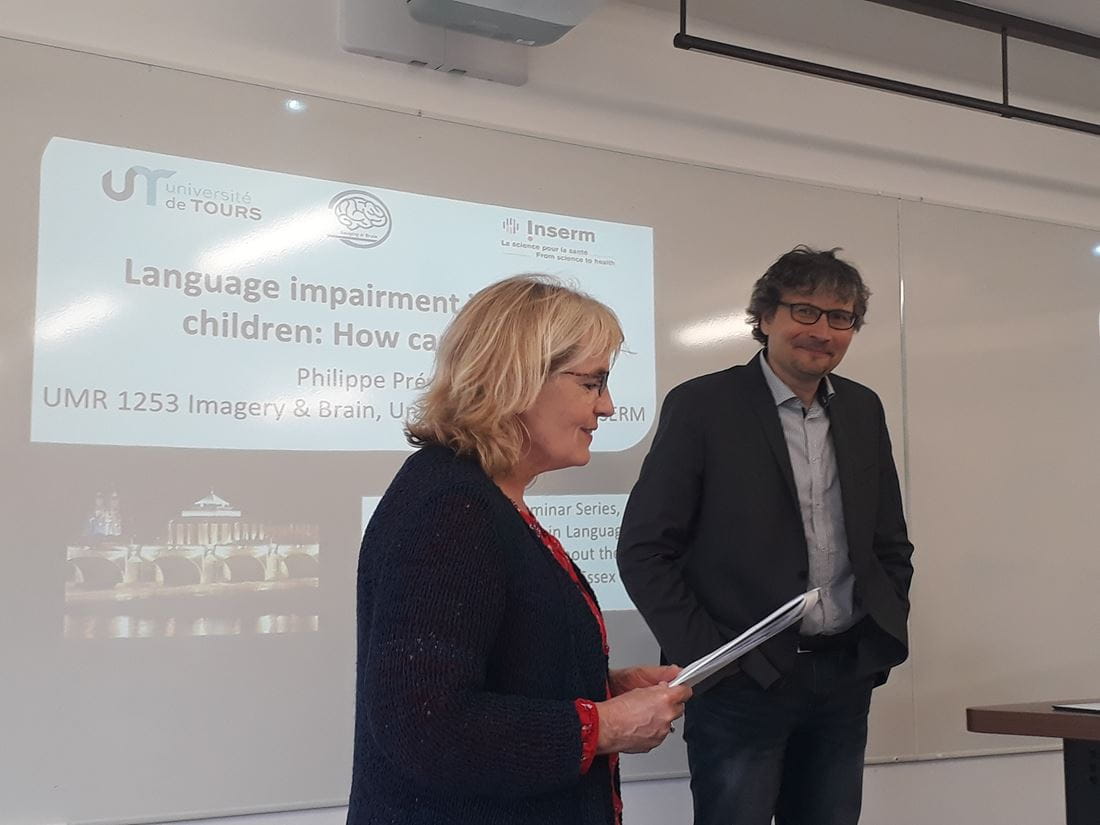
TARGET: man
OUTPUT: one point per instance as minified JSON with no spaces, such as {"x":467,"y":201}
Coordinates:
{"x":765,"y":480}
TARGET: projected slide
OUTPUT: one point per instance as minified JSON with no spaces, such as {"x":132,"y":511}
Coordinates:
{"x":210,"y":569}
{"x":588,"y":528}
{"x":183,"y":303}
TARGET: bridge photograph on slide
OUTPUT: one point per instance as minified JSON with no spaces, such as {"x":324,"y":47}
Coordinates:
{"x":208,"y":569}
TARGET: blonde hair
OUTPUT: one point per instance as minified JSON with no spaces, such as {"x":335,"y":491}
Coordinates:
{"x":494,"y":358}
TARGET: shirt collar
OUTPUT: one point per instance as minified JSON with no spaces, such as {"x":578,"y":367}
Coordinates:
{"x":782,"y":393}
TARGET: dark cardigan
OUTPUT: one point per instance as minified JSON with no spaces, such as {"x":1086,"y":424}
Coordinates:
{"x":473,"y":645}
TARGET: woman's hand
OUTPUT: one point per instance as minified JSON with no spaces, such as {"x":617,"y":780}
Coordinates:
{"x":630,"y":678}
{"x":639,"y":720}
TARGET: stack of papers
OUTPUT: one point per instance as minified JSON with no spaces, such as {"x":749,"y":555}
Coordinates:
{"x":770,"y":625}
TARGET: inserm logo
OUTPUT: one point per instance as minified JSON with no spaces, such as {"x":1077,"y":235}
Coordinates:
{"x":510,"y":225}
{"x":365,"y":219}
{"x":563,"y":233}
{"x":152,"y":177}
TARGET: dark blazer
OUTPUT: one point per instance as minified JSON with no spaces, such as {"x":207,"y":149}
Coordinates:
{"x":712,"y":537}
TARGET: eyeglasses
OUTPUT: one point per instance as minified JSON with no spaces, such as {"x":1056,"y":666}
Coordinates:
{"x":809,"y":314}
{"x":592,"y":380}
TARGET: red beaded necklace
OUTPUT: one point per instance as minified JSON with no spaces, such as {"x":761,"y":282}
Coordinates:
{"x":550,"y":541}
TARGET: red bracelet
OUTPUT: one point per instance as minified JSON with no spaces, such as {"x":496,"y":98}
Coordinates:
{"x":590,"y":731}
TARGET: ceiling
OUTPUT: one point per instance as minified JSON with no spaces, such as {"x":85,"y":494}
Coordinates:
{"x":1079,"y":15}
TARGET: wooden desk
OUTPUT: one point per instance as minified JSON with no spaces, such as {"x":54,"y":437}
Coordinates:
{"x":1080,"y":735}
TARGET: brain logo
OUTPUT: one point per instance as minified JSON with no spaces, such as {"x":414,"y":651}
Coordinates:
{"x":364,"y":219}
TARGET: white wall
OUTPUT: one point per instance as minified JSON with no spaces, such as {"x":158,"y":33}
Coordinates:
{"x":617,"y":82}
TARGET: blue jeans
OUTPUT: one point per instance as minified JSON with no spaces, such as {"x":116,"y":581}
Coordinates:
{"x":794,"y":750}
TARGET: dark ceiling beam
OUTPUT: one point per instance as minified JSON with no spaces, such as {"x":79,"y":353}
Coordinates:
{"x":1019,"y":28}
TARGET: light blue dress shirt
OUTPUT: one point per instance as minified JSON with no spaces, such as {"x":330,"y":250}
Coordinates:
{"x":813,"y":461}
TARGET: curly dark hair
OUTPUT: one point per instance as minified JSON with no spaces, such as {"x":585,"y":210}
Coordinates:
{"x":805,"y":270}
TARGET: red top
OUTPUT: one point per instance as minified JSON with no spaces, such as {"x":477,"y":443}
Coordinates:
{"x":586,"y":711}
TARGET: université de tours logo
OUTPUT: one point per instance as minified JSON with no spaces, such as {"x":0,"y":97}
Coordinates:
{"x":365,"y":220}
{"x":152,"y":178}
{"x":186,"y":197}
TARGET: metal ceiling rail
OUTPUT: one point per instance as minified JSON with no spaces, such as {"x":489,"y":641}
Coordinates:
{"x":1018,"y":28}
{"x":683,"y":40}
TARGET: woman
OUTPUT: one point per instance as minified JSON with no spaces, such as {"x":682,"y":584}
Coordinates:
{"x":483,"y":692}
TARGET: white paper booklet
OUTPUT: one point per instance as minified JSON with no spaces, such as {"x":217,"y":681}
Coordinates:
{"x":770,"y":625}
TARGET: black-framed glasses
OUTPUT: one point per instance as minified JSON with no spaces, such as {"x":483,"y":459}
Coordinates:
{"x":809,"y":314}
{"x":592,"y":380}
